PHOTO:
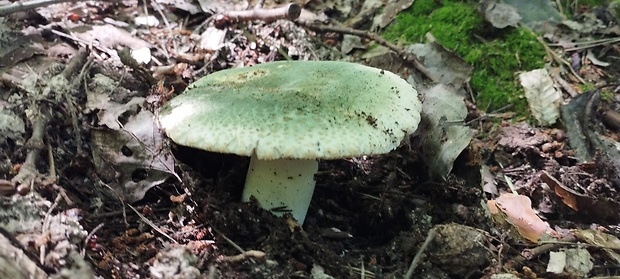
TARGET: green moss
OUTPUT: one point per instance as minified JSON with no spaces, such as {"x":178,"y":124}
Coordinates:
{"x":615,"y":5}
{"x":587,"y":87}
{"x":372,"y":47}
{"x":496,"y":55}
{"x":606,"y":94}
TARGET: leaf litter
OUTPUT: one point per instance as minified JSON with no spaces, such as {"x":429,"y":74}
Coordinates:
{"x":190,"y":225}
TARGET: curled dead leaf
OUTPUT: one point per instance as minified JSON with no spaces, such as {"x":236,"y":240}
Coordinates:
{"x":519,"y":213}
{"x":568,"y":196}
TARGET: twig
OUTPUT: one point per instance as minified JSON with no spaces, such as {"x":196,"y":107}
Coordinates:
{"x":559,"y":80}
{"x":151,"y":224}
{"x":120,"y":212}
{"x":557,"y":58}
{"x":20,"y":6}
{"x":418,"y":256}
{"x":46,"y":226}
{"x":140,"y":71}
{"x":7,"y":188}
{"x":51,"y":177}
{"x":79,"y":41}
{"x":212,"y":272}
{"x":367,"y":273}
{"x":51,"y":163}
{"x":229,"y":240}
{"x":527,"y":254}
{"x":408,"y":57}
{"x":88,"y":237}
{"x":593,"y":43}
{"x":28,"y":171}
{"x":255,"y":254}
{"x":290,"y":12}
{"x":124,"y":212}
{"x":175,"y":46}
{"x":63,"y":85}
{"x":75,"y":65}
{"x":363,"y":269}
{"x":487,"y":115}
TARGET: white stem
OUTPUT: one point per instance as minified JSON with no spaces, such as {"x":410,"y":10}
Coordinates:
{"x":281,"y":183}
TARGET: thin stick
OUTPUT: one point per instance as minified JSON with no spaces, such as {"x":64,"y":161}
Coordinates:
{"x":175,"y":47}
{"x":559,"y":80}
{"x":527,"y":254}
{"x":367,"y":273}
{"x":408,"y":57}
{"x":588,"y":42}
{"x":556,"y":57}
{"x":363,"y":269}
{"x":290,"y":12}
{"x":418,"y":256}
{"x":45,"y":229}
{"x":229,"y":240}
{"x":105,"y":50}
{"x":88,"y":237}
{"x":488,"y":115}
{"x":151,"y":224}
{"x":101,"y":183}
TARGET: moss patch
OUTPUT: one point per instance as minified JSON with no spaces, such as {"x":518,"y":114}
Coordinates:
{"x":497,"y":55}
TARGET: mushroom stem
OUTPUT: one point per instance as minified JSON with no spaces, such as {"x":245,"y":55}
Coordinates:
{"x":281,"y":183}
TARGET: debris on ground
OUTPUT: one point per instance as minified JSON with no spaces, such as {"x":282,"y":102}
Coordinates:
{"x":513,"y":171}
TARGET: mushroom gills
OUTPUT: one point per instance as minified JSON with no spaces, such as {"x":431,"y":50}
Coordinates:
{"x":281,"y":183}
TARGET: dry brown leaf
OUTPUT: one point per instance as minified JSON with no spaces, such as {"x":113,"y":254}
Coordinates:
{"x":519,"y":212}
{"x":567,"y":196}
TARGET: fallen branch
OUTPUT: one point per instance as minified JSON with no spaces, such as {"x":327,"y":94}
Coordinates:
{"x":20,"y":6}
{"x":28,"y":170}
{"x":58,"y":85}
{"x":406,"y":56}
{"x":290,"y":12}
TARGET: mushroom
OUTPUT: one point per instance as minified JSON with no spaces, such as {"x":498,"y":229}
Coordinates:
{"x":287,"y":115}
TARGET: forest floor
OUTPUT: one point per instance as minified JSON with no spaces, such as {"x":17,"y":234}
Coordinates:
{"x":82,"y":83}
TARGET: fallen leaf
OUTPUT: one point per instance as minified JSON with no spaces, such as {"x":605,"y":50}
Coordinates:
{"x":130,"y":157}
{"x":389,"y":12}
{"x":608,"y":242}
{"x":519,"y":213}
{"x":567,"y":196}
{"x":442,"y":132}
{"x":446,"y":65}
{"x":544,"y":100}
{"x":500,"y":15}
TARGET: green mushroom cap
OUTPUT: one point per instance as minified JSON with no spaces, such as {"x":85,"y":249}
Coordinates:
{"x":294,"y":110}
